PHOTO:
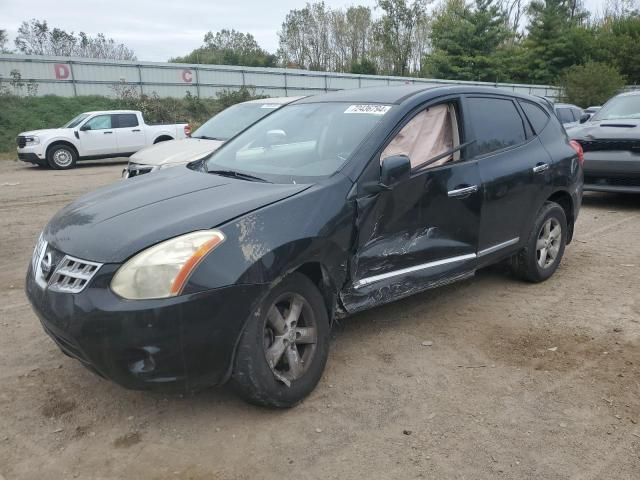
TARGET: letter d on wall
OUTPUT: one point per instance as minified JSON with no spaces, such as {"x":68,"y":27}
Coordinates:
{"x":62,"y":71}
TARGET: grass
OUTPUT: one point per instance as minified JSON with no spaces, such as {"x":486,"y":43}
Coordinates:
{"x":21,"y":114}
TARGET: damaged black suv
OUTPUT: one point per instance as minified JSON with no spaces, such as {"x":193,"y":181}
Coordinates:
{"x":234,"y":267}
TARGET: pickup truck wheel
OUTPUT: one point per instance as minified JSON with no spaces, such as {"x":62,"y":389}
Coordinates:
{"x":284,"y":347}
{"x":61,"y":157}
{"x":540,"y":257}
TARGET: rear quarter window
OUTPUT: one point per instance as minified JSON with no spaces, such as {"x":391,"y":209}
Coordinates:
{"x":496,"y":124}
{"x":537,"y":116}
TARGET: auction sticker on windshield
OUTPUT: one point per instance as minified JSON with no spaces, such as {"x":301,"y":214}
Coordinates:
{"x":371,"y":109}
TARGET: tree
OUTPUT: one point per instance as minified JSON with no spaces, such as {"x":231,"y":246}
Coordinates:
{"x":556,"y":39}
{"x":37,"y":38}
{"x":591,"y":84}
{"x":229,"y":47}
{"x":395,"y":31}
{"x":467,"y":40}
{"x":4,"y":39}
{"x":617,"y":40}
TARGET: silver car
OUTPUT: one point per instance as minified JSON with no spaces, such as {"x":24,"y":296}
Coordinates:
{"x":206,"y":139}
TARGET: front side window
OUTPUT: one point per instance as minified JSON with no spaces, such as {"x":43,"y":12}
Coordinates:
{"x":300,"y":142}
{"x":430,"y":134}
{"x":127,"y":120}
{"x":101,"y":122}
{"x":496,"y":124}
{"x":233,"y":120}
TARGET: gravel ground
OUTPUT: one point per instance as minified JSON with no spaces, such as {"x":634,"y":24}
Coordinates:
{"x":520,"y":381}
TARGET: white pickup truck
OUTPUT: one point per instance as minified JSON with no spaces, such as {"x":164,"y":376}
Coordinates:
{"x":94,"y":135}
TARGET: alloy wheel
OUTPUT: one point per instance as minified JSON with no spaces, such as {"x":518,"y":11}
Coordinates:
{"x":62,"y":158}
{"x":548,"y":244}
{"x":290,"y":337}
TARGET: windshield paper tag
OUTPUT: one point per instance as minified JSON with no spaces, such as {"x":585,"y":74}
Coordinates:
{"x":371,"y":109}
{"x":269,"y":105}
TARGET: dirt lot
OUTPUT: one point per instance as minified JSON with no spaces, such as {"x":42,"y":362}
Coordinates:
{"x":521,"y":381}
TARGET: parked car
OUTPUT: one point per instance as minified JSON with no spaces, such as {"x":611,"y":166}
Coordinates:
{"x":611,"y":144}
{"x":206,"y":139}
{"x":568,"y":114}
{"x":94,"y":135}
{"x":331,"y":205}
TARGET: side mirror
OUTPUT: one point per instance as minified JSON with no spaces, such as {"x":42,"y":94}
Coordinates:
{"x":85,"y":127}
{"x":585,"y":117}
{"x":395,"y":169}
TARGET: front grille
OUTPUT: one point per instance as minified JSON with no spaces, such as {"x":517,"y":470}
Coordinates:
{"x":613,"y":181}
{"x":610,"y":145}
{"x":21,"y":141}
{"x":72,"y":275}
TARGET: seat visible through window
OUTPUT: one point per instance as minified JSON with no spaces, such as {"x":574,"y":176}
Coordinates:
{"x":430,"y":133}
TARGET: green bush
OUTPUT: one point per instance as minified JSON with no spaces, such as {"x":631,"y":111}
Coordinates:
{"x":591,"y":84}
{"x":21,"y":114}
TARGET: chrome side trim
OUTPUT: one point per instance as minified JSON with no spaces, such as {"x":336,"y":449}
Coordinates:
{"x":404,"y":271}
{"x":499,"y":246}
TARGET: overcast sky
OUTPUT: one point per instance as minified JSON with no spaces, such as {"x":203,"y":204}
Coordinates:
{"x":159,"y":29}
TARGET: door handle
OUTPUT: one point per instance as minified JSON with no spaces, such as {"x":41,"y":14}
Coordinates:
{"x":107,"y":133}
{"x":135,"y":130}
{"x":541,"y":167}
{"x":462,"y":191}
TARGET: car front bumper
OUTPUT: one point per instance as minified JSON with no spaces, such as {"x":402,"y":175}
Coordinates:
{"x":612,"y":171}
{"x":32,"y":154}
{"x":137,"y":169}
{"x":184,"y":342}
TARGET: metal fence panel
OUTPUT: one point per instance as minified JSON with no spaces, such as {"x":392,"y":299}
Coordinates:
{"x":80,"y":76}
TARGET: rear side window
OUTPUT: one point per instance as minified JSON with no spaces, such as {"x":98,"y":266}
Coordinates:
{"x":536,"y":115}
{"x":565,"y":116}
{"x":496,"y":124}
{"x":127,"y":120}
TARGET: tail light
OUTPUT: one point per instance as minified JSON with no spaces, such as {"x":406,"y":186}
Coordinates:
{"x":187,"y":130}
{"x":578,"y":148}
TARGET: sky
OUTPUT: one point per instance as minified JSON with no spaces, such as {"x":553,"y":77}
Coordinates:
{"x":160,"y":29}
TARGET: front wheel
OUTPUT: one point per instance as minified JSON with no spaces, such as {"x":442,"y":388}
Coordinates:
{"x":285,"y":345}
{"x":540,"y":257}
{"x":61,"y":157}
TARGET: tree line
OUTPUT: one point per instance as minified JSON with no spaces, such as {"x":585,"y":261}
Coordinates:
{"x":524,"y":41}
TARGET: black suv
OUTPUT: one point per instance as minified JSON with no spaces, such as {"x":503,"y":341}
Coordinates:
{"x":235,"y":266}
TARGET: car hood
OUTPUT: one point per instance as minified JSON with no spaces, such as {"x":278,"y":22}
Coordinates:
{"x":45,"y":131}
{"x":175,"y":152}
{"x":606,"y":129}
{"x":115,"y":222}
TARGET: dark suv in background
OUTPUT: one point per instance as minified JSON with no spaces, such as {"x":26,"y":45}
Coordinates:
{"x":234,"y":267}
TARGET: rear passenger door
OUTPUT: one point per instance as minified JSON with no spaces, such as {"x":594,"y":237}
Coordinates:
{"x":513,"y":167}
{"x":129,"y":133}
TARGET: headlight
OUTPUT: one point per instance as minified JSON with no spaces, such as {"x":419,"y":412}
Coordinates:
{"x":163,"y":270}
{"x":32,"y":140}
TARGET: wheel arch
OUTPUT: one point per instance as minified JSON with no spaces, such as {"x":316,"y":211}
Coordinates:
{"x":162,"y":138}
{"x":563,"y":198}
{"x":319,"y":275}
{"x":67,"y":143}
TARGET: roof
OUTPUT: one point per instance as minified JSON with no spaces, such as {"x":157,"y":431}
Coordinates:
{"x":112,"y":111}
{"x":630,"y":93}
{"x":566,"y":105}
{"x":275,"y":100}
{"x":400,"y":93}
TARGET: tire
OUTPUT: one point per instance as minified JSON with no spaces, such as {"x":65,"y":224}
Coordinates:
{"x":544,"y":249}
{"x":62,"y":157}
{"x":270,"y":330}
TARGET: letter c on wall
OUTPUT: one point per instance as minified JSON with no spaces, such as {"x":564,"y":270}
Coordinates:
{"x":187,"y":76}
{"x":62,"y":71}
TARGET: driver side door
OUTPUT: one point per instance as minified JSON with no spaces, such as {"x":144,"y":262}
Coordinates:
{"x":98,"y":137}
{"x":423,"y":231}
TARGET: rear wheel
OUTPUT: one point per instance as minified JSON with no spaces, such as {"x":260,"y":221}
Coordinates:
{"x":61,"y":157}
{"x":284,"y":347}
{"x":540,"y":258}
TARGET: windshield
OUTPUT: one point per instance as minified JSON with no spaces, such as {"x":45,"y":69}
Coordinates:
{"x":233,"y":120}
{"x":625,"y":106}
{"x":299,"y":143}
{"x":75,"y":121}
